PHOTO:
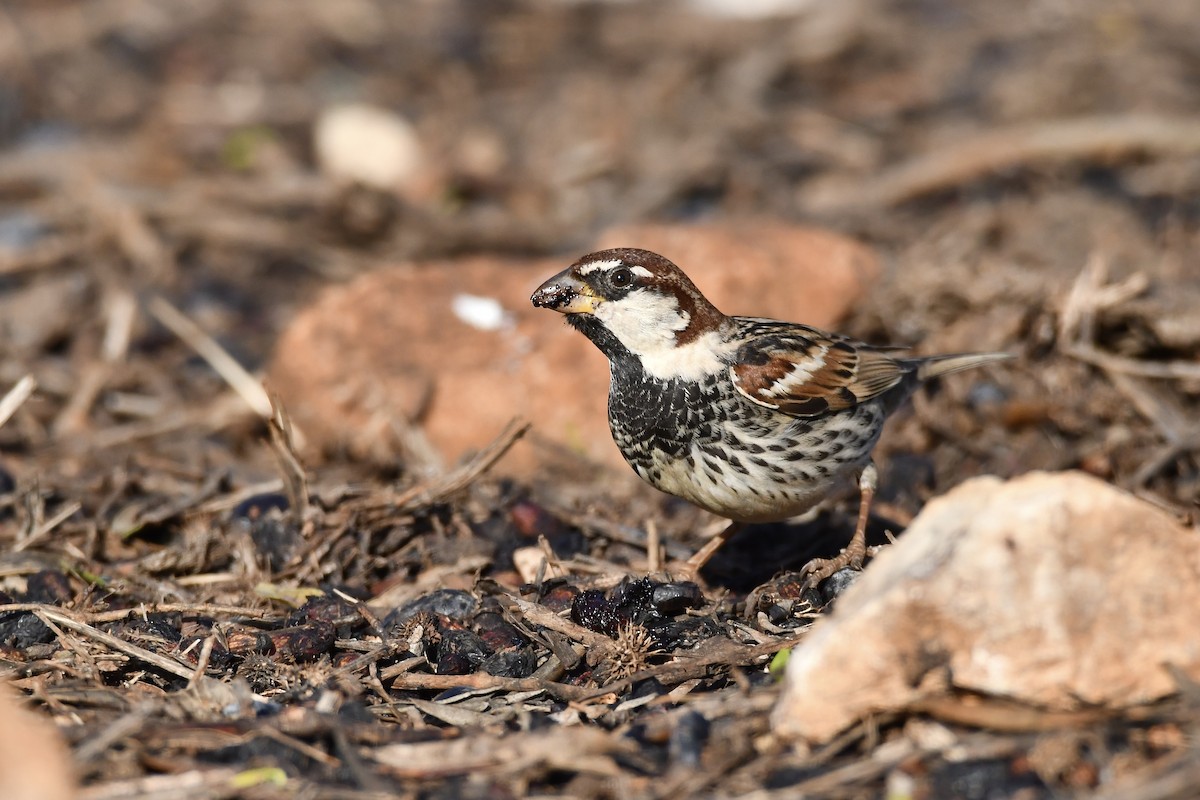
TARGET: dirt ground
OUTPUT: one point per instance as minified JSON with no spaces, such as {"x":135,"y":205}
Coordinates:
{"x":203,"y":614}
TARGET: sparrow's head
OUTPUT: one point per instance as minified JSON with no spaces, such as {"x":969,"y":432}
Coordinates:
{"x":630,"y":301}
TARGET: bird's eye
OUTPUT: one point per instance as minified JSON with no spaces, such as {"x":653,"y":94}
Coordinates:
{"x":621,"y":277}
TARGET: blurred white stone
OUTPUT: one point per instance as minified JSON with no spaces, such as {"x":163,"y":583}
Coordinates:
{"x":483,"y":313}
{"x":1056,"y":590}
{"x":753,"y":9}
{"x":530,"y":563}
{"x":366,"y":144}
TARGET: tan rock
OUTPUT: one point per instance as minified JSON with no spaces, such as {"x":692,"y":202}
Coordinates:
{"x":457,"y":346}
{"x":390,"y":347}
{"x":34,"y":761}
{"x":1053,"y":589}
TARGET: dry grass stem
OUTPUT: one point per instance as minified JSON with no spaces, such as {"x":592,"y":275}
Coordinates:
{"x":16,"y":397}
{"x":283,"y":446}
{"x":248,"y":387}
{"x":1101,"y":138}
{"x":51,"y":615}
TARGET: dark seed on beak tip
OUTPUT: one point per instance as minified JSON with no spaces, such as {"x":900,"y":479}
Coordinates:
{"x":551,"y":296}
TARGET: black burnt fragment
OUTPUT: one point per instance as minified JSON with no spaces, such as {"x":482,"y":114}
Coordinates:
{"x":460,"y":652}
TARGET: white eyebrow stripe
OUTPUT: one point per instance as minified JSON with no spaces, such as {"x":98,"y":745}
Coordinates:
{"x":589,"y":268}
{"x":613,"y":263}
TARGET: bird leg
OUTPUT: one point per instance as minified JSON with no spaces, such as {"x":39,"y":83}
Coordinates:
{"x":692,"y":567}
{"x":819,"y":569}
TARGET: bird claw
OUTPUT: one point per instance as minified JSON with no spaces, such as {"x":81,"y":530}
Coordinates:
{"x":819,"y":569}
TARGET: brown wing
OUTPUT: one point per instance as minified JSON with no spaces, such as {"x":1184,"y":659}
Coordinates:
{"x":805,"y":373}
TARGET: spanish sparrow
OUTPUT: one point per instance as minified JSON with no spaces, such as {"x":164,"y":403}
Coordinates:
{"x":752,"y":419}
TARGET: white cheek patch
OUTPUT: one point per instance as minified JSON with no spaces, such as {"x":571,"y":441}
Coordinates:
{"x":644,"y":321}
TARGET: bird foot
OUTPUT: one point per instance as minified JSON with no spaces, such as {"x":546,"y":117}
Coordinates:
{"x":819,"y":569}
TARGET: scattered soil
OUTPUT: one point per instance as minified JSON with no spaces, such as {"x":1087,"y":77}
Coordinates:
{"x":204,"y":615}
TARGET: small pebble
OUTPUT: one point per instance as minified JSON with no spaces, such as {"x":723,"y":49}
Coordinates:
{"x":452,"y":603}
{"x":670,"y":599}
{"x":688,"y":739}
{"x":837,"y":583}
{"x":258,"y":505}
{"x":460,"y":653}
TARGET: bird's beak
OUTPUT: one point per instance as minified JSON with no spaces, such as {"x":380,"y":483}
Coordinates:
{"x":566,"y":294}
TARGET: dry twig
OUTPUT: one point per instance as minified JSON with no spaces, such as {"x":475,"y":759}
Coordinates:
{"x":246,"y":385}
{"x":116,"y":615}
{"x":1092,"y":293}
{"x":437,"y":489}
{"x":1087,"y":139}
{"x":283,"y":446}
{"x":49,"y":614}
{"x":16,"y":397}
{"x":42,"y":530}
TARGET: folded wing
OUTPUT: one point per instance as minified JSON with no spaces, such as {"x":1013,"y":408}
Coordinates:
{"x":805,"y":372}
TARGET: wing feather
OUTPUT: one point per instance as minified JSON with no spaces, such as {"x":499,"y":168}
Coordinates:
{"x":805,"y":372}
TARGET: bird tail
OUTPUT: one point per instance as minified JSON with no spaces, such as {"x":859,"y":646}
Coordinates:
{"x":944,"y":365}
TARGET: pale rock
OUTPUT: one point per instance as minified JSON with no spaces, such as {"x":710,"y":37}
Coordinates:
{"x":1056,"y":590}
{"x":752,"y":9}
{"x":365,"y":144}
{"x":530,"y":563}
{"x":34,"y":761}
{"x":819,"y":29}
